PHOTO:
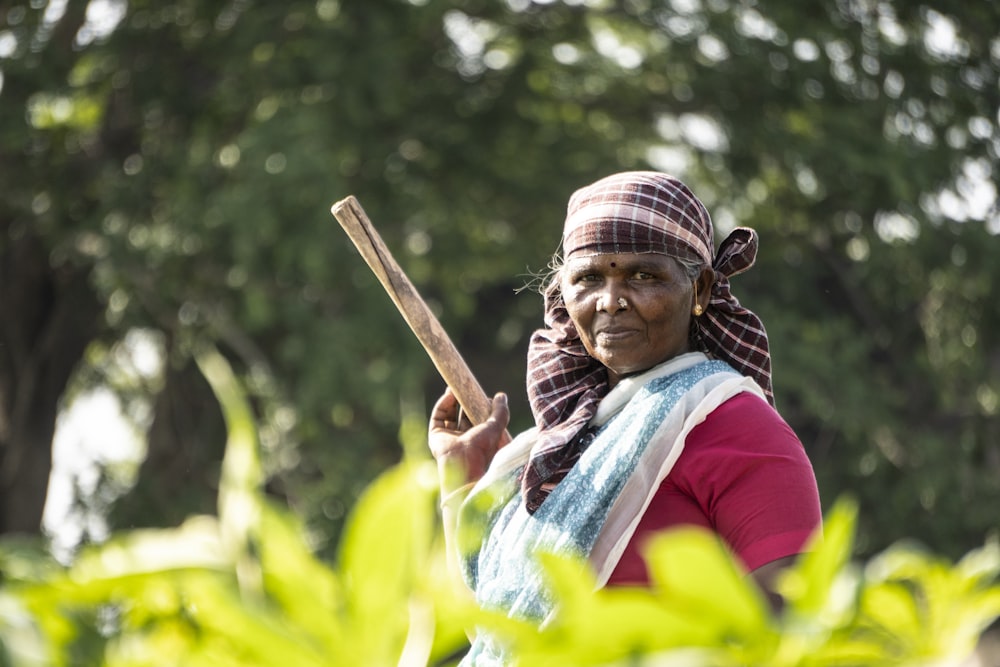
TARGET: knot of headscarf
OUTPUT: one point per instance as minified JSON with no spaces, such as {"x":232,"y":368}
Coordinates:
{"x":728,"y":330}
{"x":630,"y":212}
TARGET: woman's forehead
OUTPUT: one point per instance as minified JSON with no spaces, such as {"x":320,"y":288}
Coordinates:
{"x":622,"y":260}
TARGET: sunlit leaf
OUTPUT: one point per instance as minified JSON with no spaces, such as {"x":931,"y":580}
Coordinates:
{"x":980,"y":566}
{"x":21,"y":641}
{"x":455,"y":612}
{"x":242,"y":476}
{"x":691,"y":570}
{"x":384,"y":547}
{"x":307,"y":590}
{"x":820,"y":581}
{"x":893,"y":609}
{"x":194,"y":544}
{"x":596,"y":627}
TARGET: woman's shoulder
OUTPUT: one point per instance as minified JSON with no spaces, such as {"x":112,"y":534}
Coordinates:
{"x":743,"y":434}
{"x":746,"y":405}
{"x":745,"y":420}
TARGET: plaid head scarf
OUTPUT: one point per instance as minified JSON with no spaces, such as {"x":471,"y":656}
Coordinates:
{"x":630,"y":212}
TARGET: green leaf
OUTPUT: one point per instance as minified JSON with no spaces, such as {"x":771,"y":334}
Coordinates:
{"x":242,"y":476}
{"x":692,"y":570}
{"x":892,"y":608}
{"x":596,"y":627}
{"x":22,"y":643}
{"x":194,"y":544}
{"x":306,"y":590}
{"x":384,"y":550}
{"x":820,"y":586}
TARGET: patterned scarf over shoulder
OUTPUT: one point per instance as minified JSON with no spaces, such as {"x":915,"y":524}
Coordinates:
{"x":631,"y":212}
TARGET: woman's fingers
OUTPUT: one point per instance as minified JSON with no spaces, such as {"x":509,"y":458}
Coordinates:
{"x":452,"y":435}
{"x":499,"y":418}
{"x":500,"y":411}
{"x":445,"y":413}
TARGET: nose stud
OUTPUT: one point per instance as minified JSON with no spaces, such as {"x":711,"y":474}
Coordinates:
{"x":622,"y":304}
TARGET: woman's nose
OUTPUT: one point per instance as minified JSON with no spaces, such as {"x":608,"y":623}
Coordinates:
{"x":612,"y":302}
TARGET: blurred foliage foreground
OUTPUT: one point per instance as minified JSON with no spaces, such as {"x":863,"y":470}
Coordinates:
{"x":245,"y":588}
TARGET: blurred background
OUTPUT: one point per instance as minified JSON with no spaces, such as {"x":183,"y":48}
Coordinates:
{"x":167,"y":171}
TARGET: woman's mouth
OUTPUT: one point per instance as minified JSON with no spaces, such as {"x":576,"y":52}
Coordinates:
{"x":614,"y":335}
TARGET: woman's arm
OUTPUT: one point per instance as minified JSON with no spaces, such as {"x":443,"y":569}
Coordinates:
{"x":766,"y":577}
{"x":463,"y":453}
{"x":759,"y":487}
{"x":744,"y":475}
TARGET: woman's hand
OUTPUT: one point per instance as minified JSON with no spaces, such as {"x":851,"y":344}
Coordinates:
{"x":454,"y":440}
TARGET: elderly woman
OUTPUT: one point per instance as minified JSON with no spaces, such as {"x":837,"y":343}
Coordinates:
{"x":651,"y":390}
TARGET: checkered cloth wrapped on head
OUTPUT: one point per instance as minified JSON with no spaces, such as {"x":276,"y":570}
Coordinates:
{"x":631,"y":212}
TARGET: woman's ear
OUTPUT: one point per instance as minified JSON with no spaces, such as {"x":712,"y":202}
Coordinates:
{"x":703,"y":290}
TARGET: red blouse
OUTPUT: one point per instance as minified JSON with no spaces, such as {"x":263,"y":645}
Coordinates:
{"x":743,"y":474}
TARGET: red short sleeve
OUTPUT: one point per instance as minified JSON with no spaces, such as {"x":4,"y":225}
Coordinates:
{"x":743,"y":474}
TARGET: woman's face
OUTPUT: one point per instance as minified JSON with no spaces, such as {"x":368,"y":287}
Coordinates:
{"x":650,"y":329}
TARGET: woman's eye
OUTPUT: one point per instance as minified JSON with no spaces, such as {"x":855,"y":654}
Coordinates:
{"x":642,"y":275}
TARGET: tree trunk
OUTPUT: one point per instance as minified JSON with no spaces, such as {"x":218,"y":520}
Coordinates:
{"x":185,"y":443}
{"x":48,"y":316}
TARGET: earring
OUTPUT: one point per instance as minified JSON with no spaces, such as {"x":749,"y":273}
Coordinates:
{"x":697,"y":310}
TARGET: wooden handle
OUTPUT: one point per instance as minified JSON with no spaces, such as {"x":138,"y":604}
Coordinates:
{"x":418,"y":316}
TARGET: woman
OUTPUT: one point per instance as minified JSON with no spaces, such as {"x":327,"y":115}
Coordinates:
{"x":651,"y":390}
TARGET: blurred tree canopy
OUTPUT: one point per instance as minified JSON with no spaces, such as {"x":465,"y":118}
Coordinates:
{"x":168,"y":169}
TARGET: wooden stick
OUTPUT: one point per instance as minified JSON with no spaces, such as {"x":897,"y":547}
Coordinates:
{"x":414,"y":309}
